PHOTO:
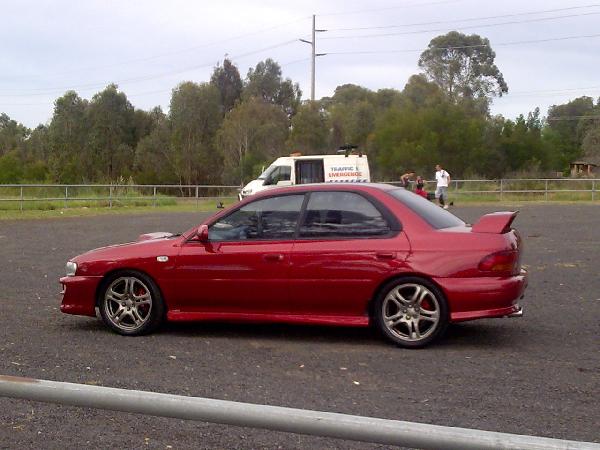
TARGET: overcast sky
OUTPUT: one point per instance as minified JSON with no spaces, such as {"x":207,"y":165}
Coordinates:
{"x":148,"y":47}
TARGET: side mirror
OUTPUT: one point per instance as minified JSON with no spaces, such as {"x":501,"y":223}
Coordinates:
{"x":202,"y":233}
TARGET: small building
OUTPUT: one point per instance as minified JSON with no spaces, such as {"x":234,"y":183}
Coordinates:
{"x":587,"y":166}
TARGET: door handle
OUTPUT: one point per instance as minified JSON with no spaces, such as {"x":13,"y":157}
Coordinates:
{"x":385,"y":255}
{"x":273,"y":257}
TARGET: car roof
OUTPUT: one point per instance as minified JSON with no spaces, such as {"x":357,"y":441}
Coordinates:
{"x":312,"y":187}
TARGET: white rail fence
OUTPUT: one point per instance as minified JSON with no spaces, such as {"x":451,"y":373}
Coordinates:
{"x":56,"y":196}
{"x":292,"y":420}
{"x":524,"y":188}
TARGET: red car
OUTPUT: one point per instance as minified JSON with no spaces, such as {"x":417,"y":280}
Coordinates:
{"x":335,"y":254}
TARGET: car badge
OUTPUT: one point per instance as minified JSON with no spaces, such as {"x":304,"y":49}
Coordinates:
{"x":162,"y":258}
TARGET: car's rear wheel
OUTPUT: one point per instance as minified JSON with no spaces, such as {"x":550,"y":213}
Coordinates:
{"x":130,"y":303}
{"x":411,"y":312}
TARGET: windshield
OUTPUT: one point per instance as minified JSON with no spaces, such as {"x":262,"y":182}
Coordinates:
{"x":434,"y":215}
{"x":267,"y":172}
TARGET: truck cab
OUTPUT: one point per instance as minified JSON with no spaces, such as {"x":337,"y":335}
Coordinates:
{"x":297,"y":169}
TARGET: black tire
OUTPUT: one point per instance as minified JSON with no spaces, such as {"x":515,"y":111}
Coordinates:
{"x":130,"y":303}
{"x":411,"y":312}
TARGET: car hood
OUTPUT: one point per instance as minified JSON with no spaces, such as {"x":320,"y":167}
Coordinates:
{"x":145,"y":244}
{"x":155,"y":235}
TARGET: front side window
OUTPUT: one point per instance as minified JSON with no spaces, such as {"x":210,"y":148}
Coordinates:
{"x":342,"y":214}
{"x":277,"y":174}
{"x":271,"y":218}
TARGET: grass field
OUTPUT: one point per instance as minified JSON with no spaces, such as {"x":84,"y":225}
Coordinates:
{"x":80,"y":208}
{"x":74,"y":201}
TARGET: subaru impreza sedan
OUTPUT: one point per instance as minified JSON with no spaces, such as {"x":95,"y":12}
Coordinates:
{"x":327,"y":254}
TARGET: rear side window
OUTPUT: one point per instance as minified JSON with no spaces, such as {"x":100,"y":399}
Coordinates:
{"x":434,"y":215}
{"x":271,"y":218}
{"x":342,"y":214}
{"x":309,"y":171}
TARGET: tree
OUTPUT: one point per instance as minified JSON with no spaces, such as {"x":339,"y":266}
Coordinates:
{"x":420,"y":92}
{"x":348,"y":94}
{"x":265,"y":81}
{"x":564,"y":130}
{"x":310,"y":130}
{"x":352,"y":123}
{"x":420,"y":137}
{"x":12,"y":134}
{"x":588,"y":131}
{"x":11,"y":170}
{"x":463,"y":66}
{"x":37,"y":146}
{"x":195,"y":116}
{"x":253,"y":132}
{"x":386,"y":98}
{"x":143,"y":123}
{"x":227,"y":80}
{"x":154,"y":158}
{"x":591,"y":142}
{"x":111,"y":119}
{"x":70,"y":158}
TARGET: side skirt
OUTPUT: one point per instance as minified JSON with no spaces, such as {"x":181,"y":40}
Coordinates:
{"x":348,"y":321}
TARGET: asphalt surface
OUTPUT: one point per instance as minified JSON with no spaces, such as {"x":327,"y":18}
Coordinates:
{"x":537,"y":375}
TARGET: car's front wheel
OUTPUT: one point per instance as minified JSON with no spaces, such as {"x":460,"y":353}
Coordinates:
{"x":130,"y":303}
{"x":411,"y":312}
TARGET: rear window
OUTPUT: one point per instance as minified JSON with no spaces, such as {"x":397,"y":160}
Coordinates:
{"x":434,"y":215}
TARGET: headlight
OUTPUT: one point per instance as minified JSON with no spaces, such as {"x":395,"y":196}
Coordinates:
{"x":71,"y":269}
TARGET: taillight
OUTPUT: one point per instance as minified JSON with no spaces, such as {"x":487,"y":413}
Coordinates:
{"x":503,"y":263}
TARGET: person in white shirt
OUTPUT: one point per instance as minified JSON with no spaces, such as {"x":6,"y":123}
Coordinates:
{"x":443,"y":181}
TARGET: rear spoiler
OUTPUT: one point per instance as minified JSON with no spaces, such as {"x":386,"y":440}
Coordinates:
{"x":496,"y":223}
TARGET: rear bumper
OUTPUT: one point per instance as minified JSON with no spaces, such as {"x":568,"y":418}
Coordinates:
{"x":79,"y":295}
{"x":484,"y":297}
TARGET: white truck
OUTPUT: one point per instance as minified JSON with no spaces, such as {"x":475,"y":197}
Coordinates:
{"x":295,"y":169}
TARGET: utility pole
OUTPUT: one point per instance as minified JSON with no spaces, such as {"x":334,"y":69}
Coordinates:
{"x":314,"y":55}
{"x":312,"y":66}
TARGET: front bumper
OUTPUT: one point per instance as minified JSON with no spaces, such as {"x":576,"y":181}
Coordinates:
{"x":79,"y":295}
{"x":484,"y":297}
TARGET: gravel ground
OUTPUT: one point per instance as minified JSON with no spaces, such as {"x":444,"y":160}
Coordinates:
{"x":537,"y":375}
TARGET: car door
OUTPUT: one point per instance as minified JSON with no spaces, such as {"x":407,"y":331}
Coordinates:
{"x":244,"y":266}
{"x":347,"y":244}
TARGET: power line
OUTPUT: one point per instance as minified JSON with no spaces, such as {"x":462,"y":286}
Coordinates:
{"x":549,"y":92}
{"x":181,"y":51}
{"x":414,"y":5}
{"x":557,"y":119}
{"x":498,"y":44}
{"x":53,"y":90}
{"x":295,"y":61}
{"x":489,"y":25}
{"x":471,"y":19}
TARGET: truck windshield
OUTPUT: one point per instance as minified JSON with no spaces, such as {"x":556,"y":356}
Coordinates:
{"x":268,"y":171}
{"x":275,"y":174}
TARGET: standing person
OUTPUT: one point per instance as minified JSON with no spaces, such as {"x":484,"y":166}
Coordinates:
{"x":406,"y":179}
{"x":443,"y":181}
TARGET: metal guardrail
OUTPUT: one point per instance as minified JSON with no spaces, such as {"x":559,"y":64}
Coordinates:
{"x":276,"y":418}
